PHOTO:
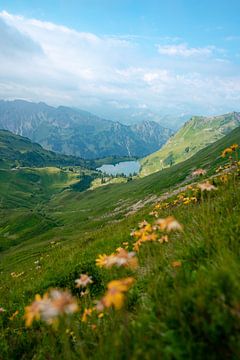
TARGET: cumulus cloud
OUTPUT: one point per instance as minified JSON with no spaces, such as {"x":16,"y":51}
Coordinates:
{"x":44,"y":61}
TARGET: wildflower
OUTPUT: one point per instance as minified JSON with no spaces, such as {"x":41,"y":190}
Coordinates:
{"x":199,"y":172}
{"x":50,"y":306}
{"x":16,"y":275}
{"x":169,"y":224}
{"x":163,"y":239}
{"x":154,"y":213}
{"x":143,"y":224}
{"x":176,"y":264}
{"x":104,"y":260}
{"x":219,"y":169}
{"x":32,"y":312}
{"x":226,"y":152}
{"x":124,"y":258}
{"x":87,"y":313}
{"x":207,"y":186}
{"x":83,"y":281}
{"x":84,"y":293}
{"x":101,"y":315}
{"x":2,"y":310}
{"x":14,"y":315}
{"x":115,"y":294}
{"x":62,"y":303}
{"x":234,"y":147}
{"x":224,"y":178}
{"x":121,"y":258}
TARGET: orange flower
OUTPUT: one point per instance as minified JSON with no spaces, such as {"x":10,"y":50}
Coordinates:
{"x":169,"y":224}
{"x":50,"y":306}
{"x":33,"y":311}
{"x":176,"y":264}
{"x":226,"y":152}
{"x":14,"y":315}
{"x":87,"y":313}
{"x":121,"y":258}
{"x":115,"y":294}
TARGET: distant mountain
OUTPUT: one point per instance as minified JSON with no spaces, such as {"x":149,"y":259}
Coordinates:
{"x":80,"y":133}
{"x":18,"y":151}
{"x":195,"y":134}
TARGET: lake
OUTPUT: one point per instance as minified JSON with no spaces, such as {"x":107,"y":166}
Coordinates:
{"x":125,"y":167}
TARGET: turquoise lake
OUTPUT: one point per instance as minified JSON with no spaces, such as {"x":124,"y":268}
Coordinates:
{"x":125,"y":167}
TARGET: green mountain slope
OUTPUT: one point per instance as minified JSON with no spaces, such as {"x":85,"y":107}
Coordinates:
{"x":16,"y":151}
{"x":197,"y":133}
{"x":171,"y":312}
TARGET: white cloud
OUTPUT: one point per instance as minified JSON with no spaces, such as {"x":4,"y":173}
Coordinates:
{"x":44,"y":61}
{"x":184,"y":50}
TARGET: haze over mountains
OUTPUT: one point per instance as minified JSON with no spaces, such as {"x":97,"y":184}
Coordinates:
{"x":80,"y":133}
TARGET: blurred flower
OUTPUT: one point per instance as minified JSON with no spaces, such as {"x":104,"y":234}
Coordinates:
{"x":163,"y":239}
{"x":2,"y":310}
{"x":115,"y":294}
{"x":50,"y":306}
{"x":234,"y":147}
{"x":86,"y":314}
{"x":199,"y":172}
{"x":226,"y":152}
{"x":104,"y":260}
{"x":120,"y":258}
{"x":83,"y":281}
{"x":32,"y":312}
{"x":176,"y":264}
{"x":207,"y":186}
{"x":169,"y":224}
{"x":14,"y":315}
{"x":16,"y":275}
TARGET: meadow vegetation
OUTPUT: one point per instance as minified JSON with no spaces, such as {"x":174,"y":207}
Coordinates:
{"x":91,"y":280}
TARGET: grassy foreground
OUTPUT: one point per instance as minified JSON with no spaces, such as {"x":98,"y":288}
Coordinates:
{"x":184,"y":302}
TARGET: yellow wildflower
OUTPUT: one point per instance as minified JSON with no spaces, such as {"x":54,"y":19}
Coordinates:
{"x":115,"y":293}
{"x":226,"y":152}
{"x":14,"y":315}
{"x":87,"y":313}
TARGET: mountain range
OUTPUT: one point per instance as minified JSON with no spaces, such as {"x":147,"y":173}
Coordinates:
{"x":193,"y":136}
{"x":80,"y":133}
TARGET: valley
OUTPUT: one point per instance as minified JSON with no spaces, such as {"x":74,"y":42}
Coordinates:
{"x":58,"y":213}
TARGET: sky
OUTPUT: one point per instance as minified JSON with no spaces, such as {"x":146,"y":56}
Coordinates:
{"x":123,"y":59}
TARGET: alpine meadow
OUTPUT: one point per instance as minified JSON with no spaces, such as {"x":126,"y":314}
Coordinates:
{"x":119,"y":180}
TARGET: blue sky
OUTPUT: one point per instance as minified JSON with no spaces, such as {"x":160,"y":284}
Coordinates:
{"x":121,"y":57}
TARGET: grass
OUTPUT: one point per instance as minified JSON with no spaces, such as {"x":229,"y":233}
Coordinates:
{"x":171,"y":313}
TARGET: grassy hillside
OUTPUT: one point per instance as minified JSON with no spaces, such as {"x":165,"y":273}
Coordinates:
{"x":18,"y":151}
{"x":185,"y":310}
{"x":197,"y":133}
